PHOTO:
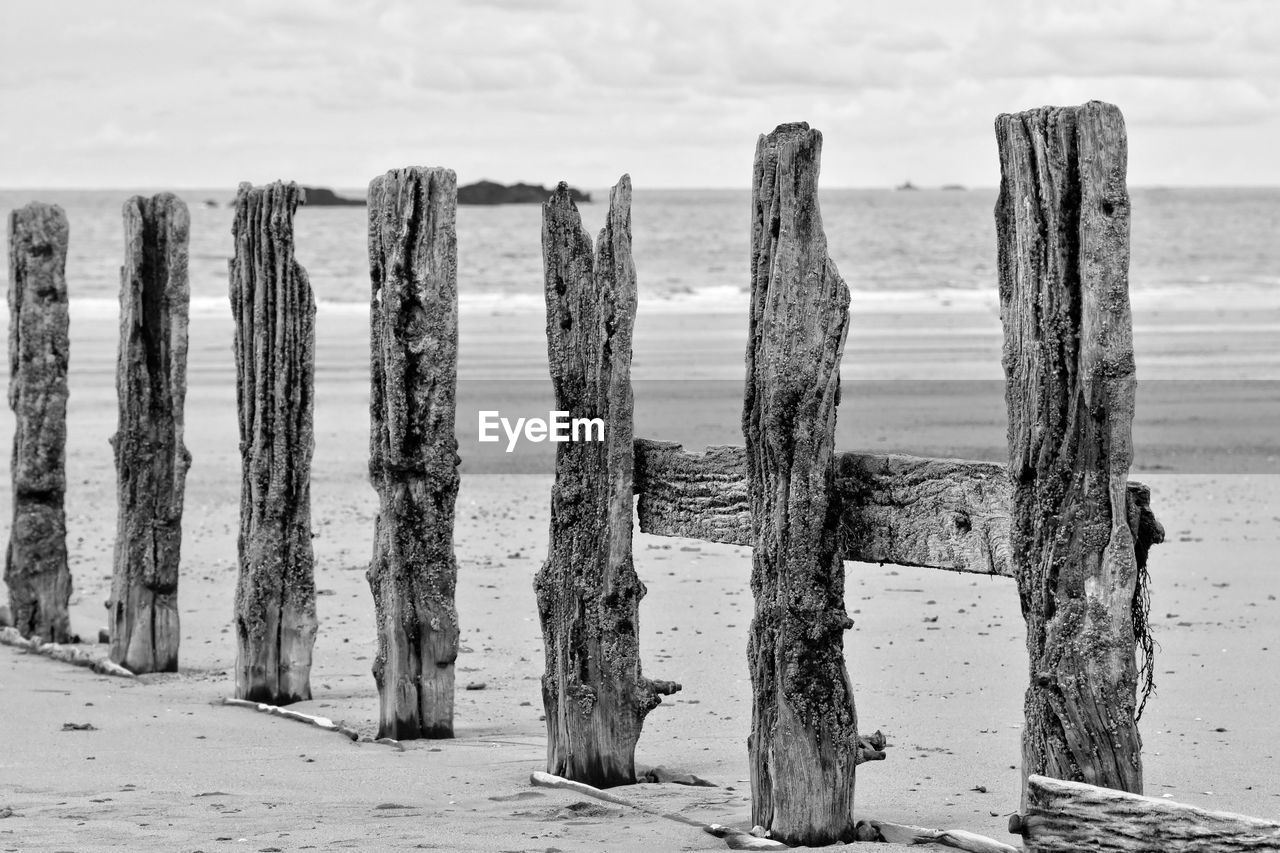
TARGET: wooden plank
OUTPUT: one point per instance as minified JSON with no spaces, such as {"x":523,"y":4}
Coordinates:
{"x":1066,"y":817}
{"x":947,"y":514}
{"x":36,"y":569}
{"x":803,"y":746}
{"x":413,"y":452}
{"x":275,"y":315}
{"x":588,"y":593}
{"x":150,"y":456}
{"x":1062,"y":222}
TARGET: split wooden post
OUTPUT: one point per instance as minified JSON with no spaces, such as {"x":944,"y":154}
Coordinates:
{"x":1065,"y":817}
{"x":1062,"y":221}
{"x":413,"y":452}
{"x":151,"y":459}
{"x":588,"y":593}
{"x":804,"y":732}
{"x":275,"y":361}
{"x":36,"y":569}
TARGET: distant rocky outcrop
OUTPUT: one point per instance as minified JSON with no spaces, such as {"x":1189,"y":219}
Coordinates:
{"x":490,"y":192}
{"x":325,"y":197}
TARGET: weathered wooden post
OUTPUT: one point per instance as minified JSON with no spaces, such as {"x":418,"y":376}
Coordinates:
{"x":588,"y":593}
{"x":275,"y":358}
{"x":1063,"y":228}
{"x":804,"y":730}
{"x":151,"y":459}
{"x":413,"y":453}
{"x":36,"y":568}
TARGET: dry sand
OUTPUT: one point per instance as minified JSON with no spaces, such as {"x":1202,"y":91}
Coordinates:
{"x":167,"y":768}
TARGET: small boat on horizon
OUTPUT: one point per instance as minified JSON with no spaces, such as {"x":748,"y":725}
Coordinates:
{"x":906,"y":185}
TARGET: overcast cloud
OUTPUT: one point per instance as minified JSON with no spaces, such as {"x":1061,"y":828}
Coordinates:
{"x":136,"y":93}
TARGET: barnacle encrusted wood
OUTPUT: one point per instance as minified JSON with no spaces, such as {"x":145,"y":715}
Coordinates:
{"x":150,"y":457}
{"x":413,"y":452}
{"x":1062,"y":220}
{"x":36,"y":569}
{"x":274,"y":312}
{"x":804,"y":730}
{"x":588,"y":592}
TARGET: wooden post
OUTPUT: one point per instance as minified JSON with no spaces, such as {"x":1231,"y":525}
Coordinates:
{"x":588,"y":593}
{"x":413,"y":453}
{"x":804,"y":738}
{"x":36,"y":568}
{"x":275,"y":357}
{"x":1065,"y":817}
{"x":1062,"y":221}
{"x":151,"y":459}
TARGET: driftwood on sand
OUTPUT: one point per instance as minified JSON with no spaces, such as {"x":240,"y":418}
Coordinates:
{"x":73,"y":655}
{"x":803,"y":746}
{"x":36,"y":569}
{"x":413,"y":453}
{"x":1065,"y":817}
{"x":274,"y":311}
{"x":1062,"y":223}
{"x":588,"y":592}
{"x":150,"y":456}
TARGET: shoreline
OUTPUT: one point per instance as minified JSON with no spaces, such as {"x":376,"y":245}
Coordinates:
{"x":947,"y":693}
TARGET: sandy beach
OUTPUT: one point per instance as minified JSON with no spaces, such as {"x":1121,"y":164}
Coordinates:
{"x":936,"y":659}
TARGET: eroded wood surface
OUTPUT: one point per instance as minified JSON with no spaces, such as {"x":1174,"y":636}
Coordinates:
{"x":150,"y":457}
{"x":36,"y":570}
{"x":413,"y":453}
{"x":804,"y":743}
{"x":1062,"y":222}
{"x":1068,"y":817}
{"x":588,"y":592}
{"x":274,"y":311}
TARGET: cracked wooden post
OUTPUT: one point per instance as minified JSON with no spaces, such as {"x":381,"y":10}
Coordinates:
{"x":804,"y":739}
{"x":36,"y":570}
{"x":588,"y":593}
{"x":151,"y":459}
{"x":275,"y":358}
{"x":413,"y":453}
{"x":1062,"y":220}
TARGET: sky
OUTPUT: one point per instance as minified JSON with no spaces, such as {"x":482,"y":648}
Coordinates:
{"x":177,"y":94}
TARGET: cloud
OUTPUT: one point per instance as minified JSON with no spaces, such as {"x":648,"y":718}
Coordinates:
{"x":112,"y":137}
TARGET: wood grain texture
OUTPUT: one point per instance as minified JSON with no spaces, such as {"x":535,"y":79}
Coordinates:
{"x":588,"y":593}
{"x":151,"y":459}
{"x":804,"y":731}
{"x":413,"y":452}
{"x":274,"y":313}
{"x":1062,"y":222}
{"x":1067,"y":817}
{"x":36,"y":569}
{"x":950,"y":514}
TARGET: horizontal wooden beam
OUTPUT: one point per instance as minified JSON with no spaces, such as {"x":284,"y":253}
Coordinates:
{"x":1064,"y":817}
{"x":938,"y":513}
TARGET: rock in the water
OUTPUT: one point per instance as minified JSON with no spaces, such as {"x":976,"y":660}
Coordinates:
{"x":490,"y":192}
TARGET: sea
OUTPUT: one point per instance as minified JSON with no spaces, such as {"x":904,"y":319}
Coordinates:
{"x":691,"y":246}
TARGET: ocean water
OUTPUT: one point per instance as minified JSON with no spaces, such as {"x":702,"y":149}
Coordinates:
{"x":691,"y":246}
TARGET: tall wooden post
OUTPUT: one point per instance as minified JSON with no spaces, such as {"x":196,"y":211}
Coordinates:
{"x":588,"y":593}
{"x":413,"y":453}
{"x":1063,"y":228}
{"x":151,"y":459}
{"x":275,"y":360}
{"x":36,"y":568}
{"x":804,"y":738}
